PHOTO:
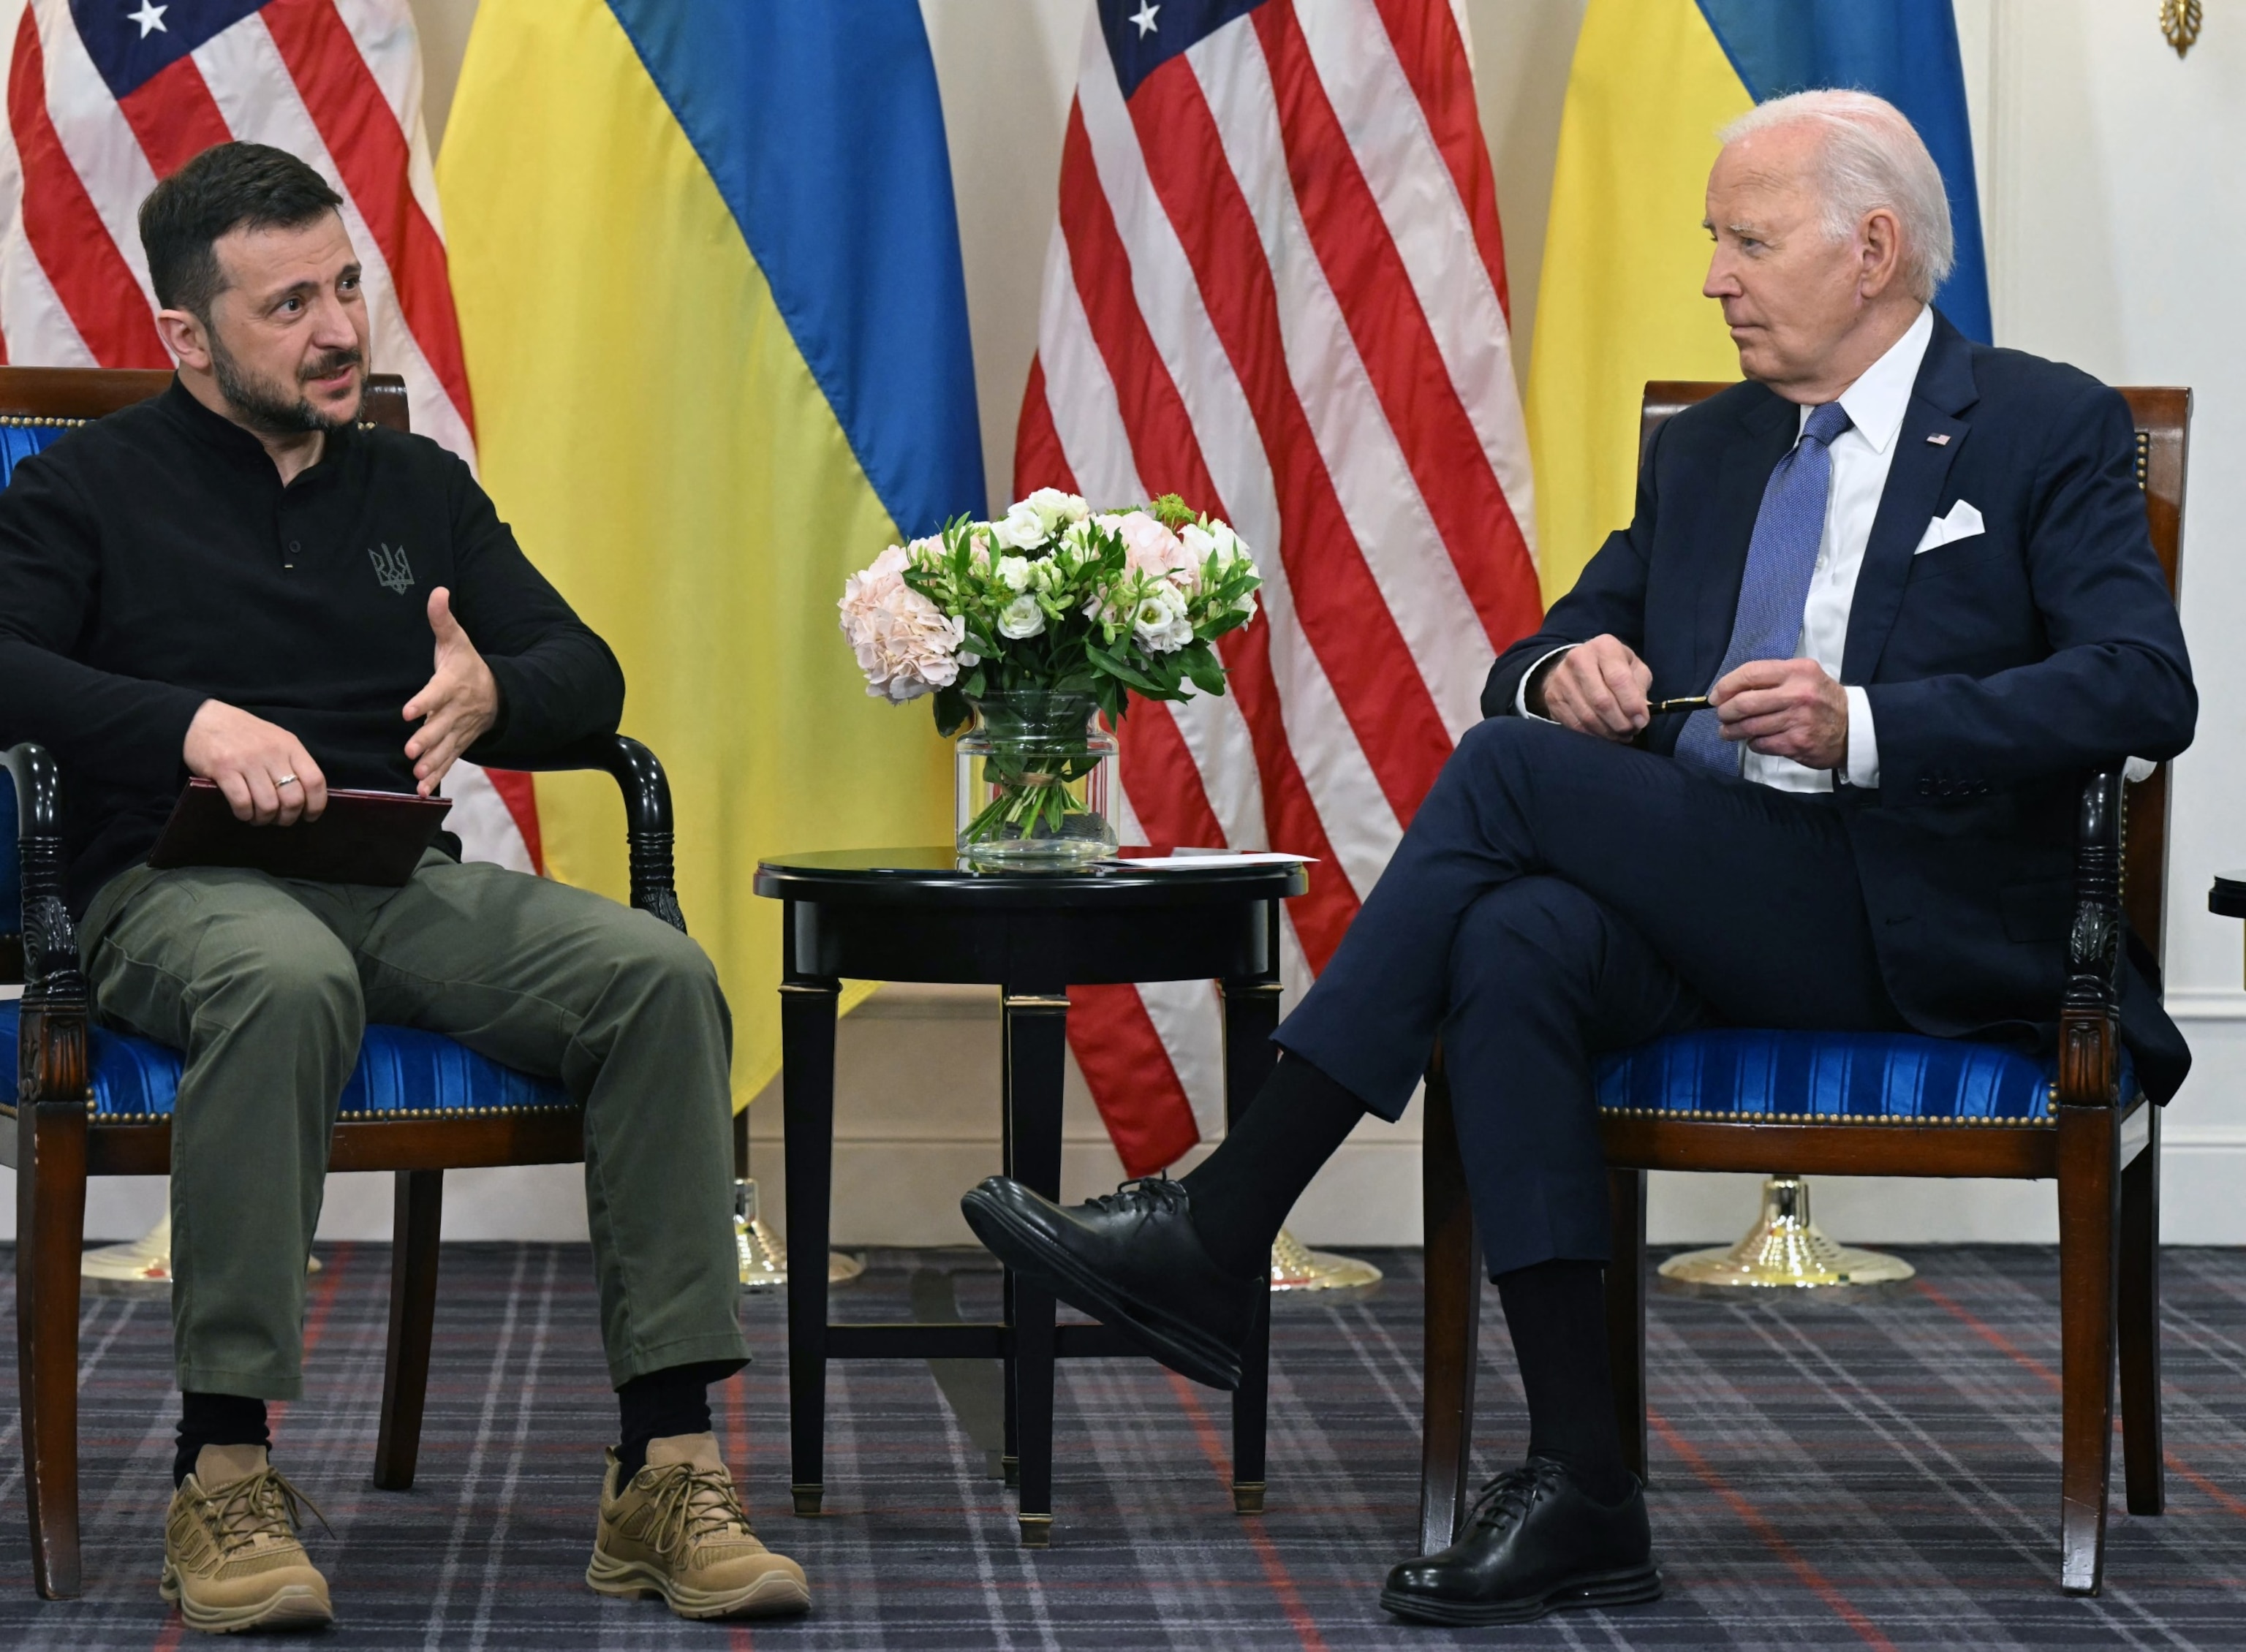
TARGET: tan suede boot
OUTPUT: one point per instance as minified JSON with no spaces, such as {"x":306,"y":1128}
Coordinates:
{"x":231,"y":1557}
{"x":678,"y":1530}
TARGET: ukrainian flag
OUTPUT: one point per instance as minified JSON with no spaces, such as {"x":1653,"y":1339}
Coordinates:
{"x":708,"y":275}
{"x":1619,"y":301}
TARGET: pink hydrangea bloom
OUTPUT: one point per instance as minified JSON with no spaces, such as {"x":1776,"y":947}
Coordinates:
{"x":905,"y":644}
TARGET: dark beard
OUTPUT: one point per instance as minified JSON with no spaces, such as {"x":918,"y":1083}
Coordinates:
{"x":264,"y":407}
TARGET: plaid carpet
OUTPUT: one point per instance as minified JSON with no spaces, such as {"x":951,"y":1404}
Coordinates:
{"x":1882,"y":1474}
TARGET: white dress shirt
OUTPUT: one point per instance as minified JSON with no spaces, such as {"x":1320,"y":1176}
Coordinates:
{"x":1860,"y":457}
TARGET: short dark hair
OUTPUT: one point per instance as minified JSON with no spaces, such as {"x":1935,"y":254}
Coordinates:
{"x":228,"y":187}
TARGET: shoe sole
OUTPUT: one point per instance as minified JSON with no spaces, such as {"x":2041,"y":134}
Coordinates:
{"x":1189,"y":1351}
{"x":1605,"y":1588}
{"x":776,"y":1593}
{"x":295,"y":1607}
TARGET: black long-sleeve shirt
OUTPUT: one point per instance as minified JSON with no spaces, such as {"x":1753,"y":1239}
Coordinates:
{"x":152,"y":561}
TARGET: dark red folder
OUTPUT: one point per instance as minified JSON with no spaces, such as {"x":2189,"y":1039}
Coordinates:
{"x":364,"y":837}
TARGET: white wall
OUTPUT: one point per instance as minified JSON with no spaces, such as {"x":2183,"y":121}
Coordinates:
{"x":2114,"y":213}
{"x":2116,"y":232}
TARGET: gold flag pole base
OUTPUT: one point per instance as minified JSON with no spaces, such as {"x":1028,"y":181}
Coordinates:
{"x":139,"y":1266}
{"x":1784,"y":1249}
{"x":1295,"y":1265}
{"x":764,"y":1254}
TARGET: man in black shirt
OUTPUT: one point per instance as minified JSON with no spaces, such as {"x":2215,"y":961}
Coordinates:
{"x":235,"y":582}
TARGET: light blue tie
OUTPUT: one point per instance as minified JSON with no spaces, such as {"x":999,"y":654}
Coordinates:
{"x":1781,"y":558}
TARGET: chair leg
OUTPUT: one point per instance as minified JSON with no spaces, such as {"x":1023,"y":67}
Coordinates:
{"x":415,"y":1231}
{"x":51,"y":1234}
{"x":1453,"y":1324}
{"x":2089,"y":1149}
{"x":2138,"y":1291}
{"x":1626,"y":1313}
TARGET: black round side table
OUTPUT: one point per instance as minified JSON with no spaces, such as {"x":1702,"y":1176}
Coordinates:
{"x":920,"y":915}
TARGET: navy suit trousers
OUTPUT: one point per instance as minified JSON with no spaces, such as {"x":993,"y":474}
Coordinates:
{"x":1559,"y":897}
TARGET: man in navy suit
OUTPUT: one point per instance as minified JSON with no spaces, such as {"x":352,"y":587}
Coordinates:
{"x":1912,"y":575}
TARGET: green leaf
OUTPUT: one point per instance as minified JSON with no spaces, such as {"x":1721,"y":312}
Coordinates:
{"x":1116,"y":666}
{"x":952,"y":712}
{"x":1202,"y":666}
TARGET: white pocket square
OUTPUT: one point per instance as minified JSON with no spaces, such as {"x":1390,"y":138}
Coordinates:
{"x":1962,"y":522}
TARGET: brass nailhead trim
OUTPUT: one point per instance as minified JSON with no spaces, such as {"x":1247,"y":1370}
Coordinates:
{"x":22,"y":421}
{"x":1702,"y":1113}
{"x":125,"y":1120}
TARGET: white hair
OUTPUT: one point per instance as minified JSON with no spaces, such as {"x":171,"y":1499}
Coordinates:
{"x":1871,"y":157}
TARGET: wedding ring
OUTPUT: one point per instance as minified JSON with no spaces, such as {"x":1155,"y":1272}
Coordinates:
{"x":286,"y":779}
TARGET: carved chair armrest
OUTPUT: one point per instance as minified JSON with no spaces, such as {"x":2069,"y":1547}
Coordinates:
{"x":50,"y":1047}
{"x":2089,"y":1017}
{"x":647,"y":814}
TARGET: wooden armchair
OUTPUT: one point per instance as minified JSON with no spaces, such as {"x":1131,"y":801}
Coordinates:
{"x":2081,"y":1122}
{"x":91,"y":1102}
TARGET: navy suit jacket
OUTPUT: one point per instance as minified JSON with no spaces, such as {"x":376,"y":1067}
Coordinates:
{"x":2000,"y":668}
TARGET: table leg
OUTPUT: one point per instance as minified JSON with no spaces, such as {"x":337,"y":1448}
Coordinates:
{"x":1037,"y":1045}
{"x":1009,"y":1455}
{"x":806,"y":1033}
{"x":1252,"y":1014}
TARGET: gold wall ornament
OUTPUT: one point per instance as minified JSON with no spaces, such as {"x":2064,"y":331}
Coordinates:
{"x":2179,"y":20}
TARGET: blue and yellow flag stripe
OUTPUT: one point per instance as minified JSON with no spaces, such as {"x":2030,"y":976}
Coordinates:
{"x":707,"y":269}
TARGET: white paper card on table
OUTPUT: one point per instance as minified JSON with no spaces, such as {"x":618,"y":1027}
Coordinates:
{"x":1210,"y":860}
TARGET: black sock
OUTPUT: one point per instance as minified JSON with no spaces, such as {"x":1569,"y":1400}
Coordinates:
{"x":1243,"y":1191}
{"x":675,"y":1400}
{"x":216,"y":1419}
{"x":1557,"y":1312}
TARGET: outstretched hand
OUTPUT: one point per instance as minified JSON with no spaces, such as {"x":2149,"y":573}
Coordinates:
{"x":457,"y":704}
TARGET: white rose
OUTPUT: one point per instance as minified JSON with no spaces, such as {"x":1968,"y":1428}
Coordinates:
{"x":1023,"y":529}
{"x":1021,"y":617}
{"x":1160,"y":620}
{"x":1014,"y":573}
{"x":1053,"y":507}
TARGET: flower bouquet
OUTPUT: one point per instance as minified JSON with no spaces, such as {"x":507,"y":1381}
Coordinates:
{"x":1033,"y":627}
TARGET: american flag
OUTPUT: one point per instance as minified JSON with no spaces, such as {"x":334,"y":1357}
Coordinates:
{"x":105,"y":97}
{"x":1277,"y":289}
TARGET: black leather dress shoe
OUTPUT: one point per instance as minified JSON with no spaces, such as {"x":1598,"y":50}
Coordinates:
{"x":1131,"y":1260}
{"x":1534,"y":1542}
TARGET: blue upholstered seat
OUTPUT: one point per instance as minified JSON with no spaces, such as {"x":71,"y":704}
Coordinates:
{"x":401,"y":1072}
{"x":1857,"y":1077}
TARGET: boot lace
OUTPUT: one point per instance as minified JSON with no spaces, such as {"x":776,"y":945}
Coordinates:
{"x":259,"y":1505}
{"x":691,"y":1505}
{"x":1147,"y":1193}
{"x":1506,"y":1500}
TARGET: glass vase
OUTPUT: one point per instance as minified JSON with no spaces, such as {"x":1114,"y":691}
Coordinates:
{"x":1034,"y":780}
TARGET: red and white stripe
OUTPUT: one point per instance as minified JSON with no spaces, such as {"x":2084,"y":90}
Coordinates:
{"x":336,"y":83}
{"x":1277,"y":288}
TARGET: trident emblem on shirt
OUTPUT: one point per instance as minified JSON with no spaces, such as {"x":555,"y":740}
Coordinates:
{"x":392,"y":569}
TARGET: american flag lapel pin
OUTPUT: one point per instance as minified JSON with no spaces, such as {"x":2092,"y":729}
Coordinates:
{"x":1940,"y":439}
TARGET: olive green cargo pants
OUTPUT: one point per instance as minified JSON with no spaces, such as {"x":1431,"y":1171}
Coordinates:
{"x":266,"y":984}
